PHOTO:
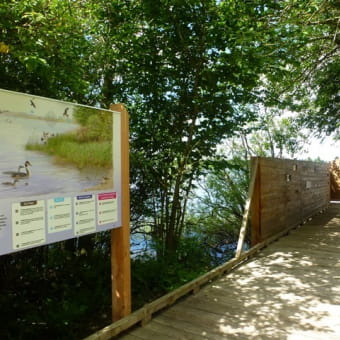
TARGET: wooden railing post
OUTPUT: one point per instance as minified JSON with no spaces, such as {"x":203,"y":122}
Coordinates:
{"x":243,"y":230}
{"x":335,"y":180}
{"x":255,"y":209}
{"x":120,"y":237}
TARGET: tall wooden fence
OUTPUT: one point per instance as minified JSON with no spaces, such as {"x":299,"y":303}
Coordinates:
{"x":286,"y":192}
{"x":335,"y":180}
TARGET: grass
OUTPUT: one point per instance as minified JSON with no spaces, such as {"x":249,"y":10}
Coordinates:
{"x":67,"y":148}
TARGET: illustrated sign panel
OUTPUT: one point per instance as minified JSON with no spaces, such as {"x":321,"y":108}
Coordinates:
{"x":60,"y":171}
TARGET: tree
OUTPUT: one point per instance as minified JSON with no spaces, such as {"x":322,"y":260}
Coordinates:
{"x":217,"y":209}
{"x":275,"y":136}
{"x":184,"y":69}
{"x":308,"y":46}
{"x":45,"y":50}
{"x":325,"y":113}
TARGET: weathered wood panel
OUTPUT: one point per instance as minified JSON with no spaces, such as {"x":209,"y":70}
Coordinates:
{"x":335,"y":180}
{"x":286,"y":193}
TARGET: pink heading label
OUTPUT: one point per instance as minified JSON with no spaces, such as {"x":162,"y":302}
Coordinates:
{"x":107,"y":196}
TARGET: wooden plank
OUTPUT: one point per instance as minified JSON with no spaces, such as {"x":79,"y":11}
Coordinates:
{"x":207,"y":322}
{"x":183,"y":330}
{"x":120,"y":237}
{"x":304,"y":240}
{"x":187,"y":311}
{"x":281,"y":201}
{"x":273,"y":211}
{"x":129,"y":337}
{"x":217,"y":308}
{"x":164,"y":328}
{"x":243,"y":229}
{"x":151,"y":332}
{"x":269,"y":220}
{"x":255,"y":208}
{"x":279,"y":187}
{"x":299,"y":244}
{"x":203,"y":307}
{"x":197,"y":330}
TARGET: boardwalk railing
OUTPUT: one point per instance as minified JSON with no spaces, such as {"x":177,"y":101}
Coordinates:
{"x":293,"y":180}
{"x":286,"y":192}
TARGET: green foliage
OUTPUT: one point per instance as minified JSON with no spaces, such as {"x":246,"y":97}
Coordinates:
{"x":275,"y":136}
{"x":308,"y":80}
{"x":49,"y":291}
{"x":68,"y":148}
{"x":96,"y":125}
{"x":325,"y":115}
{"x":47,"y":50}
{"x":153,"y":277}
{"x":81,"y":114}
{"x":63,"y":291}
{"x":99,"y":127}
{"x":217,"y":211}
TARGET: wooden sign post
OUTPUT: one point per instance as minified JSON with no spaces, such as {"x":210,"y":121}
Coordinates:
{"x":120,"y":237}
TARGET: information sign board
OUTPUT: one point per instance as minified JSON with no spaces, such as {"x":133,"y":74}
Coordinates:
{"x":60,"y":170}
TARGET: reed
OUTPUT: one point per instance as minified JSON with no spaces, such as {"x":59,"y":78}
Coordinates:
{"x":68,"y":149}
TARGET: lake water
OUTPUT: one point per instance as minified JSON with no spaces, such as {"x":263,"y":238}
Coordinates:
{"x":46,"y":175}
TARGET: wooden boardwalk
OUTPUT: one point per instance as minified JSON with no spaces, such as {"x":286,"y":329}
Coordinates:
{"x":290,"y":290}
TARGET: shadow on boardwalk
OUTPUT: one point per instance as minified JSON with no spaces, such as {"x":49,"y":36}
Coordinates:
{"x":291,"y":290}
